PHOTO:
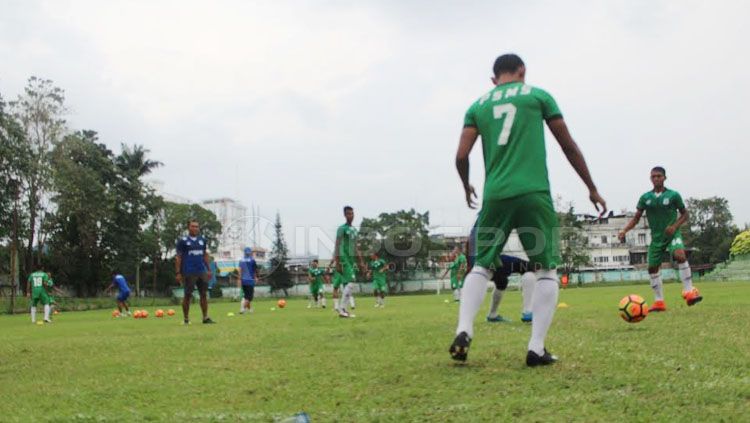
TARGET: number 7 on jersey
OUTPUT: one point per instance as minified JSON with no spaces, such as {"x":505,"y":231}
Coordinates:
{"x":508,"y":111}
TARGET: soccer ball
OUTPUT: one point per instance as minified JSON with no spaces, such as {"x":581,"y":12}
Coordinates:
{"x":633,"y":308}
{"x":144,"y":314}
{"x":281,"y":303}
{"x":159,"y":313}
{"x":137,"y":314}
{"x":170,"y":312}
{"x":116,"y":313}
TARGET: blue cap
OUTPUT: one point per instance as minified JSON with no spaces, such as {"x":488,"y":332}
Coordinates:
{"x":248,"y":250}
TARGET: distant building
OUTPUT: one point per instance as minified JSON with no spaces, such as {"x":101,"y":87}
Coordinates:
{"x":233,"y":218}
{"x":158,"y":187}
{"x":606,"y":250}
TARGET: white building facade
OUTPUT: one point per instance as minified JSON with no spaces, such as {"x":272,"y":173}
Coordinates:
{"x":234,"y":231}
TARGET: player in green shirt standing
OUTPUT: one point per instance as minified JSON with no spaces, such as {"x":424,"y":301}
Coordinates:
{"x":510,"y":119}
{"x":457,"y":269}
{"x":344,"y":254}
{"x":378,"y":271}
{"x":315,"y":278}
{"x":36,"y":290}
{"x":662,"y":205}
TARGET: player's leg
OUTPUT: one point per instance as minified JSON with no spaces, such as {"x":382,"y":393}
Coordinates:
{"x":348,"y":277}
{"x":189,"y":283}
{"x":249,"y":298}
{"x":35,"y":298}
{"x":486,"y":241}
{"x":528,"y":282}
{"x":538,"y":232}
{"x":690,"y":294}
{"x":500,"y":278}
{"x":46,"y":302}
{"x":655,"y":253}
{"x":202,"y":285}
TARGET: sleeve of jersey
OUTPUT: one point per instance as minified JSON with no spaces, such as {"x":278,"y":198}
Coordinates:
{"x":641,"y":204}
{"x":550,"y":110}
{"x":470,"y":120}
{"x":678,"y":202}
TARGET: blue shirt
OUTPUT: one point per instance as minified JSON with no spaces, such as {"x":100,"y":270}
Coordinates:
{"x":122,"y":284}
{"x":247,"y":271}
{"x":192,"y":251}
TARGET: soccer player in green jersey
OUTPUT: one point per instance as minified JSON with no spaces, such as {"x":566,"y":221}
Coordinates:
{"x":457,"y":270}
{"x":345,"y":252}
{"x":662,"y":205}
{"x":315,"y":278}
{"x":378,"y":270}
{"x":36,"y":291}
{"x":510,"y":119}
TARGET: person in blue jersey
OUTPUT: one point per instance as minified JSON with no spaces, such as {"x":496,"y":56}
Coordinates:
{"x":248,"y":276}
{"x":193,"y":270}
{"x":123,"y":292}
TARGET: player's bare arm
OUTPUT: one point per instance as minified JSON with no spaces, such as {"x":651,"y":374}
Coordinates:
{"x":684,"y":217}
{"x":336,"y":263}
{"x":560,"y":130}
{"x":207,"y":262}
{"x":634,"y":221}
{"x":469,"y":136}
{"x":177,"y":267}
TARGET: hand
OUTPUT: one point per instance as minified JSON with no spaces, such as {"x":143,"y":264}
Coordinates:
{"x":670,"y":230}
{"x":469,"y":193}
{"x":598,"y":201}
{"x":178,"y":278}
{"x":621,"y":236}
{"x":209,"y":274}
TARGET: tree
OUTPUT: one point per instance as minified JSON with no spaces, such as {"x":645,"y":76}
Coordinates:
{"x":14,"y":163}
{"x":39,"y":112}
{"x":280,"y":278}
{"x":83,"y":171}
{"x":573,"y":240}
{"x":401,"y":237}
{"x":741,"y":244}
{"x":710,"y":230}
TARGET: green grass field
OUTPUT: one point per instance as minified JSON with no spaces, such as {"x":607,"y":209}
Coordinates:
{"x":386,"y":364}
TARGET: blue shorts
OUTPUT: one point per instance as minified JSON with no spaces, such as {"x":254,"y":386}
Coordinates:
{"x":123,"y":296}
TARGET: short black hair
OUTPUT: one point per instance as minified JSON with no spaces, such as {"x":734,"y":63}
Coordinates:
{"x":193,"y":220}
{"x":348,"y":208}
{"x":659,"y":169}
{"x":507,"y":63}
{"x":315,"y":261}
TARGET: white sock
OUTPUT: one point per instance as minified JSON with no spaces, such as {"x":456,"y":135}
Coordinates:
{"x":33,"y":314}
{"x":335,"y":303}
{"x":475,"y":288}
{"x":457,"y":294}
{"x":46,"y":312}
{"x":351,"y":298}
{"x":528,"y":280}
{"x":323,"y":300}
{"x":543,"y":306}
{"x":685,"y":276}
{"x":657,"y":286}
{"x":497,"y":296}
{"x":242,"y":305}
{"x":347,"y":297}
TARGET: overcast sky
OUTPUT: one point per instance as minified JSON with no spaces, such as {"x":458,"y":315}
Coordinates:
{"x":303,"y":107}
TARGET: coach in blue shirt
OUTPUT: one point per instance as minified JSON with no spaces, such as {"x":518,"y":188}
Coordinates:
{"x":193,"y":269}
{"x":248,"y":275}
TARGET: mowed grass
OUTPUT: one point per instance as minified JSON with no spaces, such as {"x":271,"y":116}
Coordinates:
{"x":689,"y":364}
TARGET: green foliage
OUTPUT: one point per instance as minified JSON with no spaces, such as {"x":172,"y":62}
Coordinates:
{"x":401,"y":238}
{"x":280,"y":279}
{"x":394,"y":362}
{"x":710,"y":230}
{"x":14,"y":163}
{"x":39,"y":111}
{"x":741,"y":244}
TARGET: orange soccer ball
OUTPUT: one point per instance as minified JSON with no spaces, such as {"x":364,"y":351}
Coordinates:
{"x":144,"y":314}
{"x":633,"y":308}
{"x":159,"y":313}
{"x":281,"y":303}
{"x":170,"y":312}
{"x":137,"y":314}
{"x":116,"y":313}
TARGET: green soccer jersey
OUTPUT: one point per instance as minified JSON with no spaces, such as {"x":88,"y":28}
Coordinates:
{"x":661,"y":210}
{"x":377,"y":267}
{"x":316,"y":274}
{"x":347,"y":235}
{"x":457,"y":264}
{"x":38,"y":281}
{"x":510,"y":120}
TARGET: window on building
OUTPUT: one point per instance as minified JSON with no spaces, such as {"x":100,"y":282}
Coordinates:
{"x":641,"y":239}
{"x":604,"y":239}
